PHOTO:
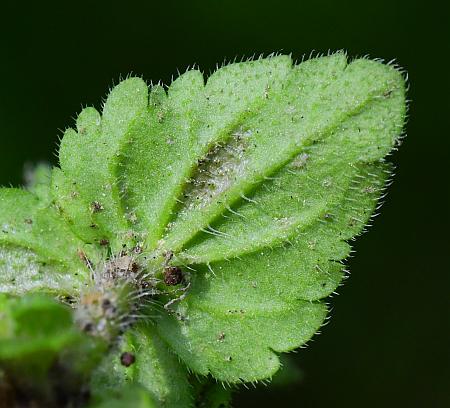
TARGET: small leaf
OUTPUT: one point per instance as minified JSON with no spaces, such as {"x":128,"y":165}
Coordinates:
{"x":42,"y":354}
{"x":128,"y":397}
{"x":152,"y":366}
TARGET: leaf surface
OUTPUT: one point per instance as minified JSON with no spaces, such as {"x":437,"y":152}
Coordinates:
{"x":156,"y":369}
{"x":240,"y":311}
{"x":34,"y":229}
{"x":252,"y":182}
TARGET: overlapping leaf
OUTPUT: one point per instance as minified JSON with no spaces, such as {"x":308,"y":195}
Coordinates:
{"x":254,"y":180}
{"x":156,"y":369}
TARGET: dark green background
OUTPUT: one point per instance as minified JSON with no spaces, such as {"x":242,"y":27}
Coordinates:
{"x":387,"y":342}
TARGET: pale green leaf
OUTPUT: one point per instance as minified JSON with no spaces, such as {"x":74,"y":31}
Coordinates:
{"x":29,"y":223}
{"x":22,"y":272}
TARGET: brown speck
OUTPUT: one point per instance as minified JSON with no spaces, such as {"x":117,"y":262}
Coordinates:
{"x":106,"y":303}
{"x":221,"y":336}
{"x":96,"y":207}
{"x":88,"y":328}
{"x":104,"y":242}
{"x":28,"y":221}
{"x":173,"y":275}
{"x":127,"y":359}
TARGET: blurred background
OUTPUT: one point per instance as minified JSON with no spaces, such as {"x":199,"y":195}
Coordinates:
{"x":387,"y":343}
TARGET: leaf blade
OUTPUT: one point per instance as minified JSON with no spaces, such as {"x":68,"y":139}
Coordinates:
{"x":156,"y":369}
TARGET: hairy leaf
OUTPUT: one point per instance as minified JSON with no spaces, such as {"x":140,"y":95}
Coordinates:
{"x":34,"y":229}
{"x":21,"y":272}
{"x":156,"y":369}
{"x":247,"y":186}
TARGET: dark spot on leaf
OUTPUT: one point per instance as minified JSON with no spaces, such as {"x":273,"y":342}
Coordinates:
{"x":96,"y":207}
{"x":88,"y":327}
{"x":173,"y":275}
{"x":127,"y":359}
{"x":106,"y":303}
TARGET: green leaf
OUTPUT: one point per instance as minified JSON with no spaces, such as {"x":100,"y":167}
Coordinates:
{"x":240,"y":311}
{"x":317,"y":99}
{"x":22,"y":272}
{"x":252,"y":183}
{"x":41,"y":352}
{"x":264,"y":235}
{"x":156,"y":369}
{"x":34,"y":229}
{"x":129,"y":397}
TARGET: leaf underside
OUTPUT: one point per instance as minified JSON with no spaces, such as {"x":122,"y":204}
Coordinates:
{"x":256,"y":180}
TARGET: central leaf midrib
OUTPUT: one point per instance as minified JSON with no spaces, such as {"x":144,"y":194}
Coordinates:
{"x":222,"y":135}
{"x":284,"y":307}
{"x":271,"y":171}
